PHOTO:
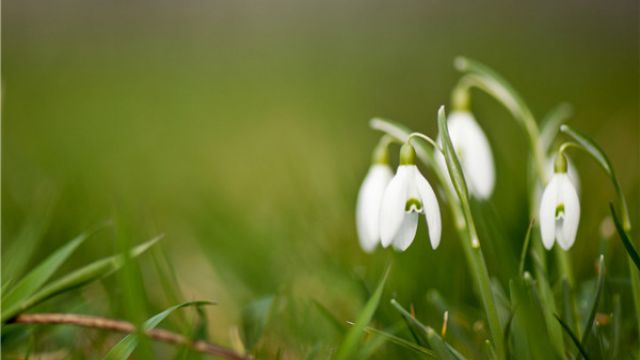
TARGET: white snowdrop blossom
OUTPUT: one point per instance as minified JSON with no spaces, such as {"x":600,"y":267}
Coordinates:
{"x":559,"y":209}
{"x":368,"y":206}
{"x":406,"y":197}
{"x":474,"y":153}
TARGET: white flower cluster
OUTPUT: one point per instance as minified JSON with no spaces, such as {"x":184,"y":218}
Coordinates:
{"x":388,"y":205}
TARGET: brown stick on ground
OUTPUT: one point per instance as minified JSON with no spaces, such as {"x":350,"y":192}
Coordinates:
{"x":97,"y":322}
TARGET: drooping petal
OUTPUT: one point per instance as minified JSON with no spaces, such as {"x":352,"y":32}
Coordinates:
{"x":548,"y":204}
{"x":569,"y":198}
{"x":573,"y":176}
{"x":431,"y":209}
{"x":392,"y":208}
{"x":474,"y":153}
{"x":368,"y":205}
{"x":407,"y":232}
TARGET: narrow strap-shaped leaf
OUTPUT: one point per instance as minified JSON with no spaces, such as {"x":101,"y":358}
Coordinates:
{"x":628,"y":245}
{"x":400,"y":342}
{"x":41,"y":273}
{"x":442,"y":349}
{"x":77,"y":278}
{"x":603,"y":160}
{"x":327,"y":314}
{"x":525,"y":247}
{"x":590,"y":146}
{"x":351,"y":340}
{"x":594,"y":304}
{"x":453,"y":164}
{"x":573,"y":337}
{"x":125,"y":347}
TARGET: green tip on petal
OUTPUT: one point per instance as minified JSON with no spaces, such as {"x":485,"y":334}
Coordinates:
{"x":413,"y":204}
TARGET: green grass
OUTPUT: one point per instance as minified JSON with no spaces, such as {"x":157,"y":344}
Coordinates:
{"x":242,"y":136}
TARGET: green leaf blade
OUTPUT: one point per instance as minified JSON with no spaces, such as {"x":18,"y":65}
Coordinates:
{"x":351,"y":340}
{"x":78,"y":278}
{"x":125,"y":347}
{"x":38,"y":276}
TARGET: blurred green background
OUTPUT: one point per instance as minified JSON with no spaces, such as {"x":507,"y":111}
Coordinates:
{"x":239,"y":129}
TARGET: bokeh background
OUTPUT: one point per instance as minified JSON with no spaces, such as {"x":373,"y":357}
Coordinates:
{"x":239,"y":129}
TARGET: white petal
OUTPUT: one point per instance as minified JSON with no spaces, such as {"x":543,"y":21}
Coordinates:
{"x":407,"y":232}
{"x":431,"y":209}
{"x":368,"y":206}
{"x":474,"y":153}
{"x":548,"y":205}
{"x":393,"y":201}
{"x":573,"y":175}
{"x":569,"y":197}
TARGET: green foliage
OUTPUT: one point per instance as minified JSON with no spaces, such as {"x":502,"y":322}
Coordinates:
{"x":12,"y":298}
{"x":353,"y":336}
{"x":80,"y":277}
{"x":123,"y":349}
{"x":255,"y":317}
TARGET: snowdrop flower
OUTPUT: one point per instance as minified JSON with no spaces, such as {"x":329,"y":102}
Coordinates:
{"x":370,"y":197}
{"x":474,"y":152}
{"x":406,"y":197}
{"x":559,"y":208}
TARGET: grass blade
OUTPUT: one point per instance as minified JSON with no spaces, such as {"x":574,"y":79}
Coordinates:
{"x":351,"y":340}
{"x":442,"y":349}
{"x":601,"y":158}
{"x":628,"y":245}
{"x":594,"y":303}
{"x":525,"y":247}
{"x":78,"y":278}
{"x":453,"y":164}
{"x":38,"y":276}
{"x":573,"y":337}
{"x":400,"y":341}
{"x":125,"y":347}
{"x":255,"y":318}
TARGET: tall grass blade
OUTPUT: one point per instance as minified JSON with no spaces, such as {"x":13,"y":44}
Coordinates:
{"x":525,"y":247}
{"x":255,"y":318}
{"x":588,"y":326}
{"x":628,"y":245}
{"x":400,"y":342}
{"x":78,"y":278}
{"x":441,"y":348}
{"x":573,"y":337}
{"x":125,"y":347}
{"x":351,"y":340}
{"x":38,"y":276}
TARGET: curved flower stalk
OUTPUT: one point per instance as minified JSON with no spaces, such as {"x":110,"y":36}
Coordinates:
{"x":559,"y":208}
{"x":473,"y":149}
{"x":370,"y":197}
{"x":407,"y":196}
